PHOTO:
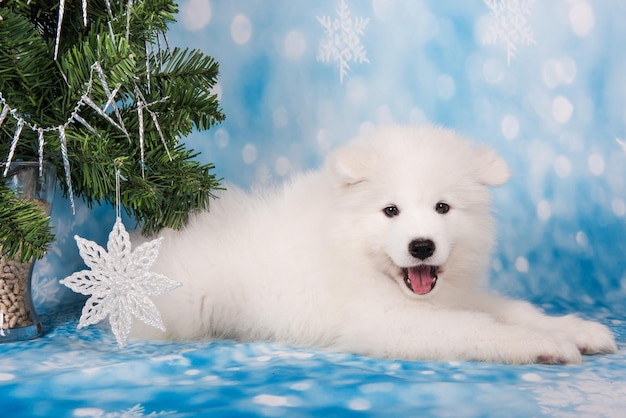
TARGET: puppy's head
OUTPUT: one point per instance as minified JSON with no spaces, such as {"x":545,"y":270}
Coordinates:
{"x":417,"y":203}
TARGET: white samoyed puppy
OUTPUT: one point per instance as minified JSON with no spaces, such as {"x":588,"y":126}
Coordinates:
{"x":383,"y":252}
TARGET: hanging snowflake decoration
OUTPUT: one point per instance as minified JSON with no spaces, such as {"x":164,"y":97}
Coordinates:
{"x":342,"y":44}
{"x":508,"y":25}
{"x":119,"y":282}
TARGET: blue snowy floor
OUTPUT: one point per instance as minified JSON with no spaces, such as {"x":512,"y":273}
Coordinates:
{"x":84,"y":374}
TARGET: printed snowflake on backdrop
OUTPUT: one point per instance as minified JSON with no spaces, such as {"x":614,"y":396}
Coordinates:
{"x":137,"y":411}
{"x":342,"y":44}
{"x":622,"y":144}
{"x":119,"y":282}
{"x":508,"y":24}
{"x":46,"y":289}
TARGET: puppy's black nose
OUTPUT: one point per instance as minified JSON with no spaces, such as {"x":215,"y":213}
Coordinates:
{"x":422,"y":248}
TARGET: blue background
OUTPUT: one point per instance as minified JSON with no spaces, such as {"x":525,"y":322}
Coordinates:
{"x":543,"y":82}
{"x":549,"y":95}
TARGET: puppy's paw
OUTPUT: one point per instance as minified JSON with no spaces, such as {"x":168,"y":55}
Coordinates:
{"x":590,"y":337}
{"x":557,"y":352}
{"x":531,"y":346}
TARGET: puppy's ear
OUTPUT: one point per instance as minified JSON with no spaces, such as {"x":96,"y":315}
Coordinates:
{"x":490,"y":169}
{"x":349,"y":165}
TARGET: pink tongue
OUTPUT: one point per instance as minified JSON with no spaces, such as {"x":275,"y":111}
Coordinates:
{"x":421,"y":279}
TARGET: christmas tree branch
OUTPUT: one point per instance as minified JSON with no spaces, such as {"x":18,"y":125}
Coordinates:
{"x":25,"y":229}
{"x":112,"y":99}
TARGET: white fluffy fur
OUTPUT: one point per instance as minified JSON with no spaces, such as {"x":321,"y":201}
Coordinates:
{"x":316,"y":263}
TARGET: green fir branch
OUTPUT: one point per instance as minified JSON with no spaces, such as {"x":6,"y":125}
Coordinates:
{"x":25,"y":230}
{"x":179,"y":89}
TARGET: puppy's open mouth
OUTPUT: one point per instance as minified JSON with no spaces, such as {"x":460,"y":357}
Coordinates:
{"x":421,"y":280}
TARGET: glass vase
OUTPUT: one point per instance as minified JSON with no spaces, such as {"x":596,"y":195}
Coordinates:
{"x":18,"y":319}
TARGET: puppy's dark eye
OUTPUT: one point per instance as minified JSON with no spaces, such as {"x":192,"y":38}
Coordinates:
{"x":391,"y":211}
{"x":442,"y":207}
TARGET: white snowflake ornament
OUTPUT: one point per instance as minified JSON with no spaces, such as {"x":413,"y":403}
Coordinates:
{"x":119,"y":282}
